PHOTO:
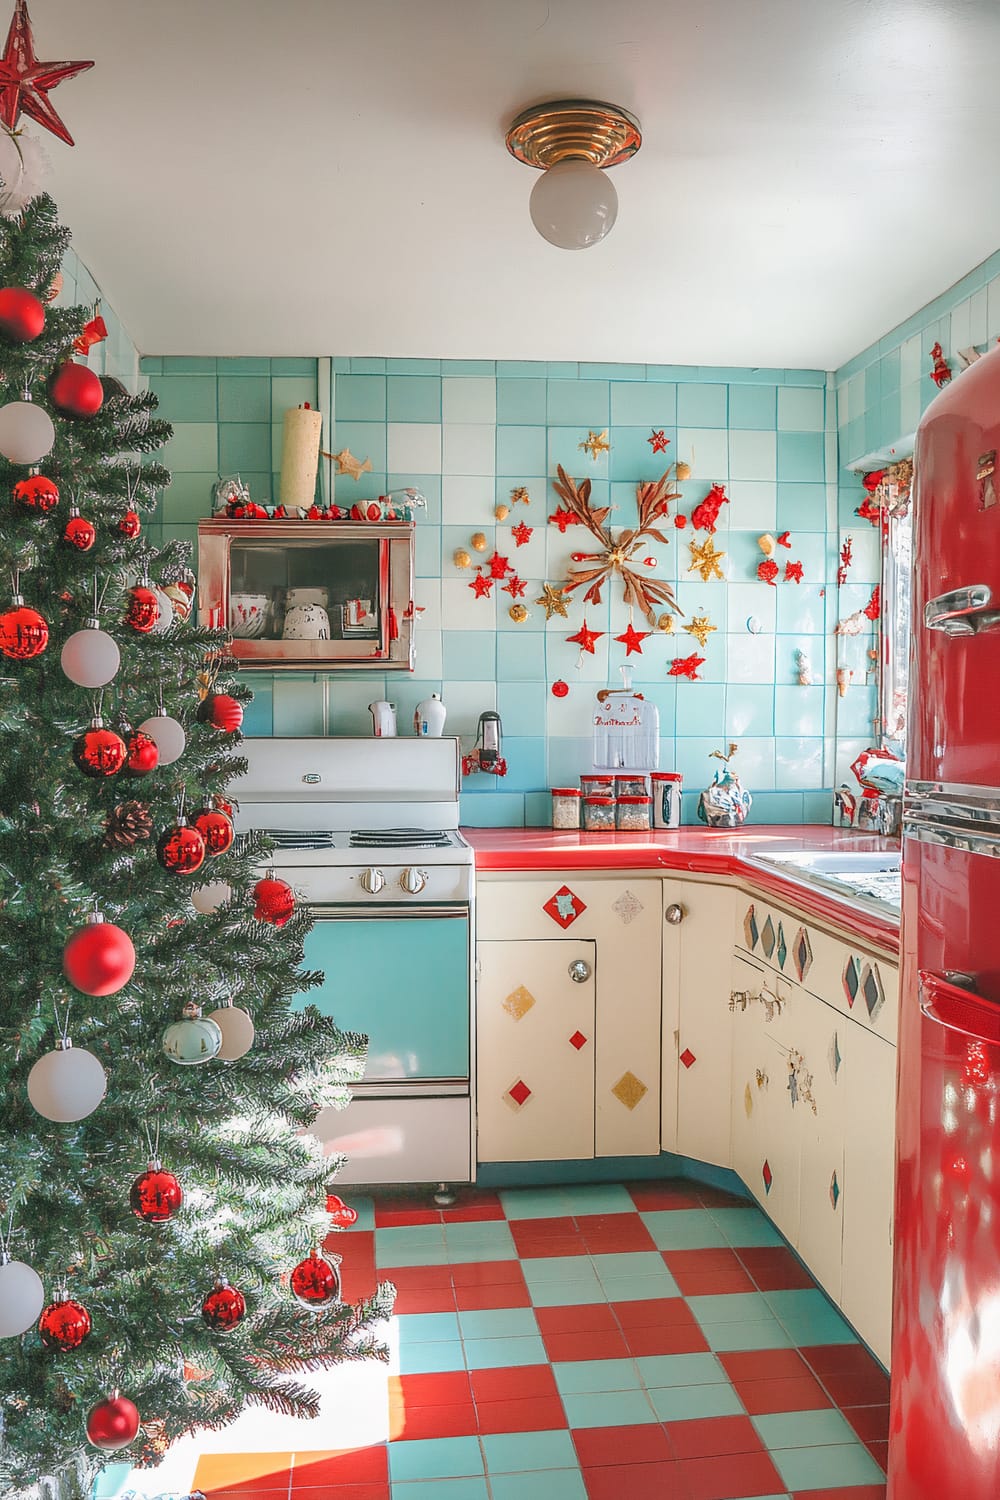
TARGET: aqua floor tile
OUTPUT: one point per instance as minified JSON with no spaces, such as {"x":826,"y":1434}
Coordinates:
{"x":828,"y":1329}
{"x":597,"y":1198}
{"x":427,"y":1328}
{"x":413,"y":1255}
{"x":512,"y":1452}
{"x":837,"y":1466}
{"x":644,"y":1265}
{"x":422,"y":1489}
{"x":498,"y":1323}
{"x":682,"y":1403}
{"x":805,"y":1302}
{"x":543,"y":1268}
{"x":637,"y":1288}
{"x":483,"y":1232}
{"x":728,"y":1337}
{"x":746,"y":1226}
{"x":548,"y":1484}
{"x":494,"y":1354}
{"x":435,"y":1458}
{"x":570,"y":1293}
{"x":461,"y":1255}
{"x":608,"y":1409}
{"x":431,"y":1359}
{"x":804,"y":1429}
{"x":542,"y":1202}
{"x":364,"y":1208}
{"x":680,"y":1369}
{"x":579,"y":1375}
{"x":389,"y":1240}
{"x":739,"y":1307}
{"x":684,"y":1229}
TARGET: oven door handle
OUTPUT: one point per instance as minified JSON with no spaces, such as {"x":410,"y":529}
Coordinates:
{"x":336,"y":912}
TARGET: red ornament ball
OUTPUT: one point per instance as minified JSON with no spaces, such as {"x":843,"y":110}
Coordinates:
{"x":342,"y":1216}
{"x":222,"y":711}
{"x":76,"y":391}
{"x":142,"y":754}
{"x":64,"y":1325}
{"x":35,"y":493}
{"x":99,"y":751}
{"x":130,"y":524}
{"x":315,"y":1282}
{"x":181,"y":849}
{"x":80,"y":533}
{"x":274,"y":901}
{"x":560,"y":689}
{"x":143,"y":609}
{"x":224,"y":1307}
{"x":215,"y":828}
{"x":113,"y":1423}
{"x":22,"y":315}
{"x":23,"y":631}
{"x":155,"y":1195}
{"x":99,"y":959}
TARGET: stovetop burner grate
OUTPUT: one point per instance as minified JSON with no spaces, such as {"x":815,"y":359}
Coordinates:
{"x":400,"y":838}
{"x":296,"y":838}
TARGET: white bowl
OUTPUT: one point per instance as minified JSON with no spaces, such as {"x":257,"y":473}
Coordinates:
{"x":248,"y":615}
{"x":306,"y":622}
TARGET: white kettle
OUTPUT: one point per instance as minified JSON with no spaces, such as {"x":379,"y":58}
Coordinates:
{"x":383,"y":719}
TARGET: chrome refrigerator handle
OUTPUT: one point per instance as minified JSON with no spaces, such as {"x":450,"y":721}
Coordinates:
{"x":963,"y":611}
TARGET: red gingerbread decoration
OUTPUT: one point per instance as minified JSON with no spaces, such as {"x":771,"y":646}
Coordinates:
{"x":706,"y":512}
{"x":941,"y":373}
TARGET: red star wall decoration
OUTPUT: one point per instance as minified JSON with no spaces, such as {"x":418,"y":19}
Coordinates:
{"x":499,"y":566}
{"x":515,"y":587}
{"x":25,"y":82}
{"x":846,"y":558}
{"x":686,"y":666}
{"x":564,"y":518}
{"x":874,"y":606}
{"x":793,"y":572}
{"x":585,"y":638}
{"x":521,"y":534}
{"x":659,"y":440}
{"x":481,"y":586}
{"x":632,"y":639}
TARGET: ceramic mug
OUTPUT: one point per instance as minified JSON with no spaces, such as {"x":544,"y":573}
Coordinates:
{"x":306,"y":622}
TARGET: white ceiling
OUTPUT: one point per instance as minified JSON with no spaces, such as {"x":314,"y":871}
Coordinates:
{"x":330,"y":177}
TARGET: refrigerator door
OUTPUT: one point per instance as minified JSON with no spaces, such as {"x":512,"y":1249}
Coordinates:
{"x":954,"y":713}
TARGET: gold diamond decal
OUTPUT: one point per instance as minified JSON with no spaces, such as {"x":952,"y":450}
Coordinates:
{"x":519,"y":1002}
{"x":629,"y":1090}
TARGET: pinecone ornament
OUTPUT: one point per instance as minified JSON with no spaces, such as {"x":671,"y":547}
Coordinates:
{"x":127,"y":825}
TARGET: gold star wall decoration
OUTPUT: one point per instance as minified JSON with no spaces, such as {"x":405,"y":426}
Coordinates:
{"x":705,"y":559}
{"x":701,"y":627}
{"x":596,"y":444}
{"x":348,"y":464}
{"x":553,"y":601}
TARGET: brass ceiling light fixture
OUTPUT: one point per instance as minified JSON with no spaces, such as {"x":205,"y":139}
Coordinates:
{"x":573,"y":141}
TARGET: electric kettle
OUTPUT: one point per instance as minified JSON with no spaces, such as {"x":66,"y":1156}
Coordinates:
{"x":383,"y":719}
{"x":488,"y":739}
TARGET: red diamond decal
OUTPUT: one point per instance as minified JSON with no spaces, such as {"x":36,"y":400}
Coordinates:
{"x":564,"y":907}
{"x":578,"y":1040}
{"x":688,"y":1057}
{"x":520,"y":1092}
{"x":767,"y":1175}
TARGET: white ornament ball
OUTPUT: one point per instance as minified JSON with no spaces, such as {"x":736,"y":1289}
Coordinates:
{"x":165,"y":605}
{"x":22,"y":1298}
{"x":26,"y":432}
{"x":167,"y":735}
{"x":90,"y":658}
{"x":23,"y":165}
{"x":67,"y":1084}
{"x":208,"y":898}
{"x":237,"y":1031}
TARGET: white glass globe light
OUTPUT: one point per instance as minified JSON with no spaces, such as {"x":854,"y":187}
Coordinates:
{"x":574,"y":204}
{"x":208,"y":898}
{"x":90,"y":657}
{"x":26,"y":432}
{"x":237,"y":1031}
{"x":22,"y":1297}
{"x":167,"y":735}
{"x":67,"y":1084}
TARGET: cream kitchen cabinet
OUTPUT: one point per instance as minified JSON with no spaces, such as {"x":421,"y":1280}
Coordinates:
{"x":868,"y":1185}
{"x":568,"y":1064}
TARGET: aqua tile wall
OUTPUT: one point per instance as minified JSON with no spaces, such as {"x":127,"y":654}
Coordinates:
{"x":468,"y":432}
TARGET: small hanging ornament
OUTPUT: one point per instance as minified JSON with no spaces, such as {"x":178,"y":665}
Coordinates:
{"x":75,"y":391}
{"x":767,"y":571}
{"x":67,"y":1084}
{"x":209,"y":897}
{"x":941,"y":371}
{"x":79,"y":533}
{"x":181,"y":848}
{"x":515,"y":586}
{"x":155,"y":1195}
{"x":701,"y":628}
{"x":113,"y":1424}
{"x":479,"y":542}
{"x":237,"y":1029}
{"x":342,"y":1216}
{"x":127,"y":825}
{"x":26,"y":431}
{"x":224,"y":1307}
{"x":274,"y":901}
{"x":90,"y":657}
{"x":142,"y":611}
{"x":846,"y":559}
{"x":705,"y":560}
{"x":22,"y":1296}
{"x":519,"y":495}
{"x":585,"y":638}
{"x":24,"y":633}
{"x":596,"y":443}
{"x":142,"y":754}
{"x":481,"y":585}
{"x":803,"y":669}
{"x":64,"y":1324}
{"x":99,"y":751}
{"x":793,"y":572}
{"x":192,"y":1040}
{"x":632,"y":639}
{"x":461,"y":558}
{"x":518,"y":613}
{"x":522,"y":534}
{"x":767,"y":544}
{"x":658,"y":440}
{"x":180,"y":600}
{"x":130,"y":525}
{"x":221,"y":711}
{"x":686,"y":666}
{"x":560,"y":689}
{"x":164,"y":610}
{"x":501,"y":511}
{"x":553,"y":601}
{"x":22,"y":315}
{"x":99,"y":959}
{"x":785,"y":539}
{"x":168,"y":734}
{"x":682,"y":471}
{"x":499,"y":566}
{"x":216,"y":828}
{"x":315,"y":1282}
{"x":35,"y":493}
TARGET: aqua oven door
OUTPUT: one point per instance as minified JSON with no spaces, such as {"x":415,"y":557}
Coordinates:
{"x":401,"y":975}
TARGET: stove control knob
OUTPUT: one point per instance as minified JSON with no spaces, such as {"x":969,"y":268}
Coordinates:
{"x":372,"y":881}
{"x":412,"y":880}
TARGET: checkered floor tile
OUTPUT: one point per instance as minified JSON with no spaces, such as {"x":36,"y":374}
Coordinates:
{"x":588,"y":1343}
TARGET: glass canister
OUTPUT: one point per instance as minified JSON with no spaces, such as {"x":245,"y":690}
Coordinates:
{"x":635,"y":784}
{"x":598,"y":784}
{"x":633,"y":814}
{"x":667,"y":788}
{"x":566,"y":807}
{"x":599,"y":814}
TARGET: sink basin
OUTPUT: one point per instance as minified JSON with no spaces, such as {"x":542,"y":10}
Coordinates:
{"x":840,"y":863}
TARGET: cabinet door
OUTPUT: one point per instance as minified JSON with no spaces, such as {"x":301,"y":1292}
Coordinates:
{"x":816,"y":1079}
{"x":869,"y":1166}
{"x":535,"y":1049}
{"x":765,"y":1135}
{"x":697,"y":1036}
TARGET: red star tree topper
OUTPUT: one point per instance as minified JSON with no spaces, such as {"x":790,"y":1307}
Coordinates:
{"x":585,"y":638}
{"x":632,"y":639}
{"x":25,"y":82}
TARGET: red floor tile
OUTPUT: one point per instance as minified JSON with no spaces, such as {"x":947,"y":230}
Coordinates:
{"x":213,"y":1494}
{"x":722,"y":1477}
{"x":592,"y":1344}
{"x":417,"y":1422}
{"x":372,"y":1491}
{"x":718,"y":1197}
{"x":535,"y":1249}
{"x":342,"y":1466}
{"x":614,"y":1234}
{"x":242,"y":1472}
{"x":441,"y":1299}
{"x":653,"y":1197}
{"x":597,"y":1447}
{"x":357,"y":1272}
{"x":681,"y":1262}
{"x":862,"y":1388}
{"x":880,"y":1453}
{"x":764,"y":1364}
{"x":484,"y":1273}
{"x":588,"y":1317}
{"x":557,"y":1228}
{"x":513,"y":1384}
{"x":794,"y":1393}
{"x":668,"y":1338}
{"x":840,"y":1359}
{"x":714,"y":1283}
{"x":447,"y":1388}
{"x":710,"y":1437}
{"x":524,"y":1414}
{"x":397,"y":1218}
{"x":652,"y":1312}
{"x":473,"y":1213}
{"x":859,"y":1492}
{"x":774,"y":1268}
{"x":871,"y":1423}
{"x":479,"y":1298}
{"x":637,"y":1481}
{"x":417,"y":1278}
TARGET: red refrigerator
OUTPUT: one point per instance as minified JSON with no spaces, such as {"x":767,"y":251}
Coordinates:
{"x":945,"y":1419}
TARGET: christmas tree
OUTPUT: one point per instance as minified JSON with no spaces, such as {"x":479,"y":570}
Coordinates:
{"x":156,"y":1186}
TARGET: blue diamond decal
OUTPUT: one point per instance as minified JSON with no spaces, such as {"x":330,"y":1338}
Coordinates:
{"x":782,"y":946}
{"x":834,"y":1191}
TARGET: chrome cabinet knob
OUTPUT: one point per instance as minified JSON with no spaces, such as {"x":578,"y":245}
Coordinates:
{"x":372,"y":881}
{"x":579,"y":971}
{"x":412,"y":880}
{"x":674,"y":914}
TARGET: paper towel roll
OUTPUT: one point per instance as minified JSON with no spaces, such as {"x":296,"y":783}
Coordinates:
{"x":300,"y":456}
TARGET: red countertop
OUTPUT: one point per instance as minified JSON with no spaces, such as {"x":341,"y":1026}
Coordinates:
{"x":698,"y":851}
